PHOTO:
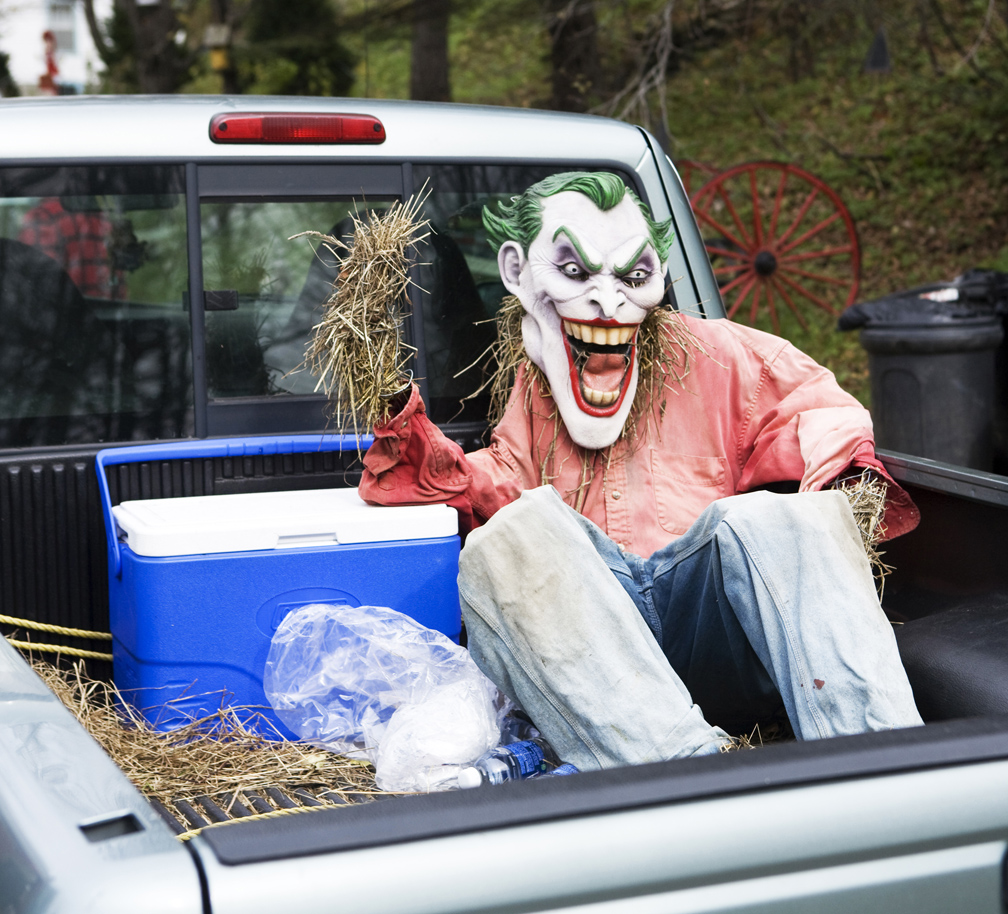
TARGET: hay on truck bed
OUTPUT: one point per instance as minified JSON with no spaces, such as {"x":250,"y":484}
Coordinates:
{"x":215,"y":767}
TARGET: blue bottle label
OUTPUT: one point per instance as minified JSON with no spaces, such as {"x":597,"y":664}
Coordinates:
{"x":529,"y":756}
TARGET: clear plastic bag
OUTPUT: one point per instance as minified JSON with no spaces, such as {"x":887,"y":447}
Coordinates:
{"x":372,"y":682}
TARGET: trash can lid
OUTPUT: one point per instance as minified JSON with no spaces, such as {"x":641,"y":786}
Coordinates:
{"x":909,"y":311}
{"x":976,"y":296}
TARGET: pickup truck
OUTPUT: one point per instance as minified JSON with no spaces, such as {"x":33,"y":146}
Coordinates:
{"x":148,"y":293}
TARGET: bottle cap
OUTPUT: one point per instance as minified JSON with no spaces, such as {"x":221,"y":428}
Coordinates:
{"x":469,"y":777}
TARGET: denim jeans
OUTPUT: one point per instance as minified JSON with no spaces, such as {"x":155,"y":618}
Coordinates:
{"x":766,"y":599}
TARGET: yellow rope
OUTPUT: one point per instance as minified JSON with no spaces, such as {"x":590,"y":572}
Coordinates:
{"x":273,"y":814}
{"x":58,"y":649}
{"x":55,"y":629}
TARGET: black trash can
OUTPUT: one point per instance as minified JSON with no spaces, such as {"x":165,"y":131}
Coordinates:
{"x":931,"y":361}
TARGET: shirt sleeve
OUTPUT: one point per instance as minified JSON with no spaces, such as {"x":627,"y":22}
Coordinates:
{"x":412,"y":462}
{"x":800,"y":424}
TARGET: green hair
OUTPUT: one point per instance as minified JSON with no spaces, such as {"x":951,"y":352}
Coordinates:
{"x":521,"y":219}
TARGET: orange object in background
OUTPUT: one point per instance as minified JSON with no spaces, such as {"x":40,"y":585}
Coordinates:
{"x":47,"y":81}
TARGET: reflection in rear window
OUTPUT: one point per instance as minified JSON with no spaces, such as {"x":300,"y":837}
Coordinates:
{"x":96,"y":336}
{"x":265,"y":292}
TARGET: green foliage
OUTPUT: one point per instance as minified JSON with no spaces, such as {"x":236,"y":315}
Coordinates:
{"x":119,"y":75}
{"x":281,"y":47}
{"x":498,"y":52}
{"x":294,"y":47}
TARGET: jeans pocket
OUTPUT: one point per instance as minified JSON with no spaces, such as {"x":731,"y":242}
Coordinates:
{"x":684,"y":485}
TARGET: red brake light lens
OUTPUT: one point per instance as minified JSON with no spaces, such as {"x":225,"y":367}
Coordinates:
{"x":297,"y":128}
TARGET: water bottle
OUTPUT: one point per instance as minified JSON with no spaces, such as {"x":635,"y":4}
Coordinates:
{"x":515,"y":762}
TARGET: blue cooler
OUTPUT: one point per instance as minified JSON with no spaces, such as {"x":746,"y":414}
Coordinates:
{"x":198,"y":585}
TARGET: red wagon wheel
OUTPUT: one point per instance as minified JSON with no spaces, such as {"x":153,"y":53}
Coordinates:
{"x":777,"y":233}
{"x":692,"y":172}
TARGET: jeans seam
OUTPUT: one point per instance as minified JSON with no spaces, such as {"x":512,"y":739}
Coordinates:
{"x":795,"y":657}
{"x":542,"y":688}
{"x":644,"y":583}
{"x":679,"y":557}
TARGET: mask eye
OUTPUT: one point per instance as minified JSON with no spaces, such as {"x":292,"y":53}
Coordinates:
{"x":636,"y":277}
{"x":574,"y":270}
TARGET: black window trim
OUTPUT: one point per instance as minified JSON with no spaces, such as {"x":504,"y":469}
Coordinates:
{"x":210,"y":418}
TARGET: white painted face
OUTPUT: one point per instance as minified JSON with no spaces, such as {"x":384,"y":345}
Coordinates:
{"x":588,"y":280}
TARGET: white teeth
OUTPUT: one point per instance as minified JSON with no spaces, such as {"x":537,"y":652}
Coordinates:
{"x":600,"y":336}
{"x":600,"y":397}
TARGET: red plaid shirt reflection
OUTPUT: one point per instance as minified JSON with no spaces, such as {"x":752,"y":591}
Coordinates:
{"x":78,"y":242}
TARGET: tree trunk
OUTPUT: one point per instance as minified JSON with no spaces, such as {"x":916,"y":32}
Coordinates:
{"x":429,"y":62}
{"x":573,"y":32}
{"x":222,"y":15}
{"x":157,"y":57}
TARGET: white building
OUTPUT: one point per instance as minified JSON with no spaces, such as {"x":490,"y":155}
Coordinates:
{"x":22,"y":23}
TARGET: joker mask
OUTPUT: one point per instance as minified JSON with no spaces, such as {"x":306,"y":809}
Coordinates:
{"x":587,"y":280}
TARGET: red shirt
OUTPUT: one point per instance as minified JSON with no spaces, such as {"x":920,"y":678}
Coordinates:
{"x":77,"y":242}
{"x":753,"y":410}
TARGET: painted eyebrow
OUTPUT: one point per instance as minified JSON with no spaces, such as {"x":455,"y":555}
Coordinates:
{"x":585,"y":259}
{"x":633,"y":258}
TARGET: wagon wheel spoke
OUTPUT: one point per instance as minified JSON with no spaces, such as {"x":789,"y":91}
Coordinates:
{"x":754,"y":308}
{"x":801,"y":290}
{"x":742,"y":296}
{"x":802,"y":212}
{"x":704,"y":216}
{"x":737,"y":281}
{"x":813,"y":255}
{"x":687,"y":168}
{"x":770,"y":307}
{"x":736,"y":218}
{"x":787,"y":300}
{"x":757,"y":217}
{"x":811,"y":233}
{"x":729,"y":270}
{"x":730,"y":253}
{"x":778,"y":200}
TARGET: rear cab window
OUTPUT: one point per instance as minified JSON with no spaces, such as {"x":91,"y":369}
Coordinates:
{"x":114,"y":333}
{"x":93,"y":273}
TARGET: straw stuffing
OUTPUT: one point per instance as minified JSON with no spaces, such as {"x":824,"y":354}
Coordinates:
{"x":867,"y":496}
{"x":356,"y":351}
{"x":217,"y":758}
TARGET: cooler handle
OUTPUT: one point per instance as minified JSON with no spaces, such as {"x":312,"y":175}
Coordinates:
{"x":208,"y":447}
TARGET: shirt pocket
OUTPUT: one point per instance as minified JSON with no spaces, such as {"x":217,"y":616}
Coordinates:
{"x":684,"y":485}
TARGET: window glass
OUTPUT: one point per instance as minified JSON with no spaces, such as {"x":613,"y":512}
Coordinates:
{"x":265,"y":289}
{"x":461,"y":285}
{"x":95,"y":343}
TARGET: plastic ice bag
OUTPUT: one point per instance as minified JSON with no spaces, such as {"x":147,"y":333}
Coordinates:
{"x":372,"y":682}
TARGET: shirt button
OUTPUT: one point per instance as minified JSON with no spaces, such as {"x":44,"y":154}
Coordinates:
{"x":621,"y":547}
{"x":616,"y":496}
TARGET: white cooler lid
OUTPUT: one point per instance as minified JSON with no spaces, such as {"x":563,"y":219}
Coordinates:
{"x":272,"y":520}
